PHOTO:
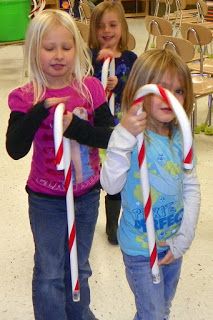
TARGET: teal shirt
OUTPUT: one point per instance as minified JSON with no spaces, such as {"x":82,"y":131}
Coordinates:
{"x":165,"y":165}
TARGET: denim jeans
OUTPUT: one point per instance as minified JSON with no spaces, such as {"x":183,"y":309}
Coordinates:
{"x":153,"y":301}
{"x":51,"y":285}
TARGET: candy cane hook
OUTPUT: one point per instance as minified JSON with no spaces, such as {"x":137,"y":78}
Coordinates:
{"x":63,"y":162}
{"x":182,"y":118}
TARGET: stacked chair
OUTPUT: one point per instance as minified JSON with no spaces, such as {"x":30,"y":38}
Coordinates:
{"x":200,"y":37}
{"x":202,"y":84}
{"x":156,"y":26}
{"x":187,"y":32}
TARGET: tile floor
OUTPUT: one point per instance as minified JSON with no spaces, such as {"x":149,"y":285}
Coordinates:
{"x":111,"y":296}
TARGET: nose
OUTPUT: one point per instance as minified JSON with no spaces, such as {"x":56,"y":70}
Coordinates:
{"x":106,"y":28}
{"x":59,"y":53}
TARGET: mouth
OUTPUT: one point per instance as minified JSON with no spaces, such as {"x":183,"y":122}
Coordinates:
{"x":57,"y":66}
{"x":107,"y":38}
{"x":167,"y":110}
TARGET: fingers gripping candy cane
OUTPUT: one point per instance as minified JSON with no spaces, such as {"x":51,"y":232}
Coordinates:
{"x":187,"y":144}
{"x":109,"y":69}
{"x":63,"y":162}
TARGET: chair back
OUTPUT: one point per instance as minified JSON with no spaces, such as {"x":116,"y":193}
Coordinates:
{"x":84,"y":30}
{"x":157,"y":25}
{"x":131,"y":42}
{"x":85,"y":11}
{"x":196,"y":33}
{"x":182,"y":47}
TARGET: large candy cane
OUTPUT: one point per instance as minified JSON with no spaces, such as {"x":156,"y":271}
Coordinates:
{"x":63,"y":162}
{"x":108,"y":68}
{"x":188,"y":164}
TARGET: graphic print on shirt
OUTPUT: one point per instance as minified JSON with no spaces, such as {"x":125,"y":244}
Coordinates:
{"x":167,"y":209}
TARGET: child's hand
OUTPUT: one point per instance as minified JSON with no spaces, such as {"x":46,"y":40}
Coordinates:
{"x":111,"y":83}
{"x":169,"y":258}
{"x":67,"y":119}
{"x":133,"y":122}
{"x":50,"y":102}
{"x":104,"y":54}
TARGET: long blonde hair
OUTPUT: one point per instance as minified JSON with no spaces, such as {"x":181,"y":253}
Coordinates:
{"x":96,"y":16}
{"x":152,"y":65}
{"x":38,"y":26}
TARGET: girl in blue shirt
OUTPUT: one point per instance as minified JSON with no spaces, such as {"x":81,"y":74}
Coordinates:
{"x":175,"y":193}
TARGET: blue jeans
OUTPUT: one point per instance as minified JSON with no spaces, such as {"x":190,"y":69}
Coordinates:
{"x":51,"y":285}
{"x":153,"y":301}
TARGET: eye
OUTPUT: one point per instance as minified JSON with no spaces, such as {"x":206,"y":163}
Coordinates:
{"x":48,"y":48}
{"x":67,"y":48}
{"x":100,"y":26}
{"x":179,"y":91}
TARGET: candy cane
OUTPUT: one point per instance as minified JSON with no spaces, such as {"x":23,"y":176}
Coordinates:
{"x":37,"y":7}
{"x":108,"y":68}
{"x":63,"y":162}
{"x":187,"y":145}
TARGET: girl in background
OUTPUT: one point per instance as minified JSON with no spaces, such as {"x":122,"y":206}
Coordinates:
{"x":175,"y":193}
{"x":59,"y":71}
{"x":109,"y":37}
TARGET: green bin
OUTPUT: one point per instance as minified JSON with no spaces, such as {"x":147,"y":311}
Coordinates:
{"x":13,"y":19}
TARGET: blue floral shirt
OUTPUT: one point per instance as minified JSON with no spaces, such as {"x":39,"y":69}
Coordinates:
{"x":123,"y":66}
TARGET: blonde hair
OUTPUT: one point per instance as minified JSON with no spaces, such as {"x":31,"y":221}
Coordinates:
{"x":152,"y":65}
{"x":39,"y":25}
{"x":97,"y":14}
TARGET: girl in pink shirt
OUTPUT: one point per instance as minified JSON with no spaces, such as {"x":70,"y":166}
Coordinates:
{"x":59,"y":70}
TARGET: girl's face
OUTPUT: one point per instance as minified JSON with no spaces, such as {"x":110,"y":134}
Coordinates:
{"x":159,"y":114}
{"x":109,"y":31}
{"x":57,"y":55}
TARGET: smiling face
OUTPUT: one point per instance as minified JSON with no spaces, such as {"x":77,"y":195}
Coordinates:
{"x":109,"y":31}
{"x":57,"y":56}
{"x":159,"y":114}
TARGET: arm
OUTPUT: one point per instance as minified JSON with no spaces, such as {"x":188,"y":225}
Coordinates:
{"x":121,"y":144}
{"x":22,"y":128}
{"x":181,"y":242}
{"x":117,"y":163}
{"x":96,"y":135}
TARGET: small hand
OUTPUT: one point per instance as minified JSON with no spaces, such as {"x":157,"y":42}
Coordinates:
{"x":50,"y":102}
{"x":111,"y":83}
{"x":169,"y":258}
{"x":104,"y":54}
{"x":133,"y":122}
{"x":67,"y":119}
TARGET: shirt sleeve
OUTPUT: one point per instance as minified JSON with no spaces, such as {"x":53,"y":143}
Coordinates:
{"x":181,"y":242}
{"x":114,"y":169}
{"x":22,"y":128}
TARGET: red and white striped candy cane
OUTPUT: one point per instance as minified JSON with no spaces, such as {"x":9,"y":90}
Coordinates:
{"x":38,"y":5}
{"x":172,"y":102}
{"x":108,"y":68}
{"x":63,"y":162}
